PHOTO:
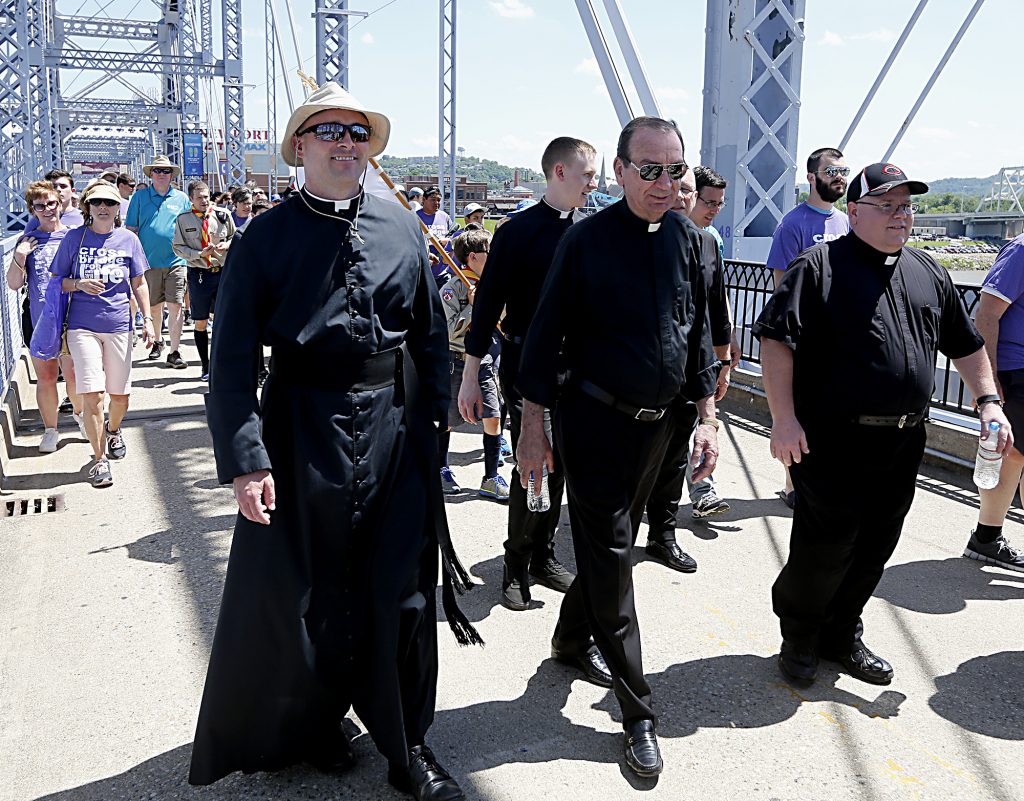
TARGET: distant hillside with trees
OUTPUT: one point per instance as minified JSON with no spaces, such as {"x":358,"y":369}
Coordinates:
{"x":946,"y":195}
{"x":475,"y":169}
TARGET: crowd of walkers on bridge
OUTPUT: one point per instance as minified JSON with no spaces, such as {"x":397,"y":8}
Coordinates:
{"x":605,"y":340}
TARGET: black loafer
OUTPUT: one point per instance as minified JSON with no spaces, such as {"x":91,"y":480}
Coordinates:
{"x":799,"y":666}
{"x":332,"y":753}
{"x":862,"y":663}
{"x":671,"y":555}
{"x":642,"y":753}
{"x":590,"y":663}
{"x":515,"y":590}
{"x":424,"y":779}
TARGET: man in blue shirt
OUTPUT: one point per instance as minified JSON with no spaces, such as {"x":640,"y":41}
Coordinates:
{"x":152,"y":215}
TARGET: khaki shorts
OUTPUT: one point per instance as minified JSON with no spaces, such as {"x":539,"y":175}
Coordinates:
{"x":102,"y":361}
{"x":166,"y":284}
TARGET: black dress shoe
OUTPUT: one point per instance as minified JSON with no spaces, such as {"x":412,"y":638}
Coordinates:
{"x":332,"y":753}
{"x":798,"y":665}
{"x":515,"y":590}
{"x":424,"y":779}
{"x":862,"y":663}
{"x":642,"y":753}
{"x":671,"y":555}
{"x":590,"y":663}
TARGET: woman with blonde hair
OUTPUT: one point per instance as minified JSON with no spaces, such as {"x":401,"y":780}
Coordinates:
{"x":30,"y":268}
{"x":101,"y":266}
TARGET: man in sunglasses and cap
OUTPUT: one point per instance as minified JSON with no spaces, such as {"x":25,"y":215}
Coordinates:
{"x":634,"y":339}
{"x":329,"y":599}
{"x":848,"y":347}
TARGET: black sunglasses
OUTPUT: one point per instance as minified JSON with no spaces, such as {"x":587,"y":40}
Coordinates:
{"x":335,"y":131}
{"x":652,"y":172}
{"x":162,"y":170}
{"x":49,"y":204}
{"x":103,"y":201}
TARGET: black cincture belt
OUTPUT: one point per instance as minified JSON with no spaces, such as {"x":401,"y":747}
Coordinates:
{"x":339,"y":374}
{"x":457,"y":355}
{"x":897,"y":421}
{"x":636,"y":412}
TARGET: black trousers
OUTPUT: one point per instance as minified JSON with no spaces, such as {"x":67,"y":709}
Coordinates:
{"x":608,"y":478}
{"x":842,"y":537}
{"x":663,"y":505}
{"x":530,"y":534}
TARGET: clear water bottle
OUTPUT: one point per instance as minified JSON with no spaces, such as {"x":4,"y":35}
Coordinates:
{"x":988,"y":461}
{"x":542,"y":502}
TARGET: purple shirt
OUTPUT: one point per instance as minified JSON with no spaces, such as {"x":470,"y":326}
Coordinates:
{"x":439,"y":225}
{"x":72,"y":218}
{"x":804,"y":227}
{"x":1006,"y":281}
{"x":112,"y":258}
{"x":38,"y":268}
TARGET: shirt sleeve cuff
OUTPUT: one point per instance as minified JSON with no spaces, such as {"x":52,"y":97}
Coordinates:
{"x":536,"y":391}
{"x":989,"y":290}
{"x":762,"y":331}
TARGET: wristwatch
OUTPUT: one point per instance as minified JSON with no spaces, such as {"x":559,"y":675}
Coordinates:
{"x":979,"y":402}
{"x":710,"y":421}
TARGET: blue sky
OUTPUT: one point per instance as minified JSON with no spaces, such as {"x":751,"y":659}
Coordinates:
{"x":526,"y":74}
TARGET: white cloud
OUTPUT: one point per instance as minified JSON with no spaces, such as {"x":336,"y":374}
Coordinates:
{"x":671,"y":94}
{"x":512,"y":9}
{"x":367,"y":38}
{"x":877,"y":35}
{"x":588,"y":67}
{"x":830,"y":39}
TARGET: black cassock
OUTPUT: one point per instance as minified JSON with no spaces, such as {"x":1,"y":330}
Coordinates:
{"x":331,"y":606}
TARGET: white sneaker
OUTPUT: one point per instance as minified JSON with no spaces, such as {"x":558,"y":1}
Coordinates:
{"x":80,"y":421}
{"x":48,"y":444}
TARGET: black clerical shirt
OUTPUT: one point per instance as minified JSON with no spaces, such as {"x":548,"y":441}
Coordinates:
{"x":517,"y":265}
{"x":628,"y":299}
{"x":864,"y":327}
{"x":713,"y":270}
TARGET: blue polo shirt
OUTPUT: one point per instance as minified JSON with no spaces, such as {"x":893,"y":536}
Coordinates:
{"x":155,"y":215}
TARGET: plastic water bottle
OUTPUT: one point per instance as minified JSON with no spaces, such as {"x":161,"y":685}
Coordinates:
{"x":988,"y":461}
{"x":542,"y":502}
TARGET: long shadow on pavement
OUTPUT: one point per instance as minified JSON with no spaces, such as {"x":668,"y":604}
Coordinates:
{"x":944,"y":586}
{"x":983,"y":695}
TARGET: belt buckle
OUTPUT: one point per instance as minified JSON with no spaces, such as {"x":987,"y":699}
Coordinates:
{"x":903,"y":421}
{"x":656,"y":414}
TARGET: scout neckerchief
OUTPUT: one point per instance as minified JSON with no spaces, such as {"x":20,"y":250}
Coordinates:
{"x":204,"y":237}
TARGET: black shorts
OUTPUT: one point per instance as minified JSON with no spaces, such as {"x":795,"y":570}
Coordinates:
{"x":202,"y":292}
{"x":1012,"y":382}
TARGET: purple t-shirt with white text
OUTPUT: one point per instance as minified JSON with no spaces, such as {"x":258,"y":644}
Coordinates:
{"x":1006,"y":281}
{"x":113,"y":258}
{"x":804,"y":227}
{"x":38,"y":268}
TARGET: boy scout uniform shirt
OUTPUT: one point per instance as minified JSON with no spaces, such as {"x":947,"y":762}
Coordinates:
{"x":864,"y":327}
{"x":458,"y":312}
{"x":188,"y":237}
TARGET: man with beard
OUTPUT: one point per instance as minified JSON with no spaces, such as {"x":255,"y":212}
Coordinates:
{"x":329,"y":597}
{"x":814,"y":221}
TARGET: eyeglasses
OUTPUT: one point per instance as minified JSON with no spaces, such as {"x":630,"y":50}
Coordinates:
{"x":686,"y":192}
{"x":335,"y":131}
{"x":711,"y":204}
{"x":103,"y":201}
{"x":652,"y":172}
{"x":49,"y":204}
{"x":161,"y":171}
{"x":891,"y":208}
{"x":835,"y":172}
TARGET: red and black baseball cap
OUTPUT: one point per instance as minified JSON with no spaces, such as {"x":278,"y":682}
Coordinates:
{"x":877,"y":179}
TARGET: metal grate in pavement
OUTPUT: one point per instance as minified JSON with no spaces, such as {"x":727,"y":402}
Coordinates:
{"x":24,"y":507}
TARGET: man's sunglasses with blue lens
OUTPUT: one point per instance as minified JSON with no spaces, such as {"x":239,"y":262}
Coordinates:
{"x":335,"y":131}
{"x":652,"y":172}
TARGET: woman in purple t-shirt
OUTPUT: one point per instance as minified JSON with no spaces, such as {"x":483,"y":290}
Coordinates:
{"x":30,"y":268}
{"x":101,"y":266}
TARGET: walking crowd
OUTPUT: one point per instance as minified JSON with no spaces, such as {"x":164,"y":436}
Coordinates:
{"x":604,"y":340}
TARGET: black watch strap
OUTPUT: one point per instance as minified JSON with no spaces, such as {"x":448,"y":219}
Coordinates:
{"x":981,"y":401}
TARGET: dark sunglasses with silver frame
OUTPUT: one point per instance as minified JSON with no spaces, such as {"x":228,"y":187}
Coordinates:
{"x":835,"y":172}
{"x":335,"y":131}
{"x":652,"y":172}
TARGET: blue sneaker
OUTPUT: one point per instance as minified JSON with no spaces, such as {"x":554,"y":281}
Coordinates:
{"x":506,"y":449}
{"x":496,"y":488}
{"x":449,"y":486}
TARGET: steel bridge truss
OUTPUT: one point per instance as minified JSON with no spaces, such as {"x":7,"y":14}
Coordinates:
{"x":1008,"y":188}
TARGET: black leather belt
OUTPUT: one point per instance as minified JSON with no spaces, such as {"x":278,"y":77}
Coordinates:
{"x":458,"y":355}
{"x":636,"y":412}
{"x":897,"y":421}
{"x":326,"y":371}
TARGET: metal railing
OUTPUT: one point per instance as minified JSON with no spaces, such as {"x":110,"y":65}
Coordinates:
{"x":750,"y":284}
{"x":10,"y":320}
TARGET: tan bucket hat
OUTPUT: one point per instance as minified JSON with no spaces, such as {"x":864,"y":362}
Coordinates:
{"x":327,"y":97}
{"x":161,"y":161}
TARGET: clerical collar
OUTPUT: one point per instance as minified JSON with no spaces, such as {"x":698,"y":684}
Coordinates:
{"x":872,"y":255}
{"x":652,"y":227}
{"x":327,"y":206}
{"x":561,"y":214}
{"x":638,"y":223}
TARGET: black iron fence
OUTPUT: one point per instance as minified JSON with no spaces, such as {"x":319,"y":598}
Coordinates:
{"x":750,"y":284}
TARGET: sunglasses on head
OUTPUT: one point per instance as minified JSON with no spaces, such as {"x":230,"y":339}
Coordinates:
{"x":49,"y":204}
{"x":335,"y":131}
{"x":103,"y":201}
{"x":161,"y":170}
{"x":835,"y":172}
{"x":652,"y":172}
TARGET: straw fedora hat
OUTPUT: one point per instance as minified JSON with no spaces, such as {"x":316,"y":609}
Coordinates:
{"x":161,"y":161}
{"x":327,"y":97}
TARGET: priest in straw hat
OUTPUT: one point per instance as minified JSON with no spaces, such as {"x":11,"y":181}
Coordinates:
{"x":329,"y":599}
